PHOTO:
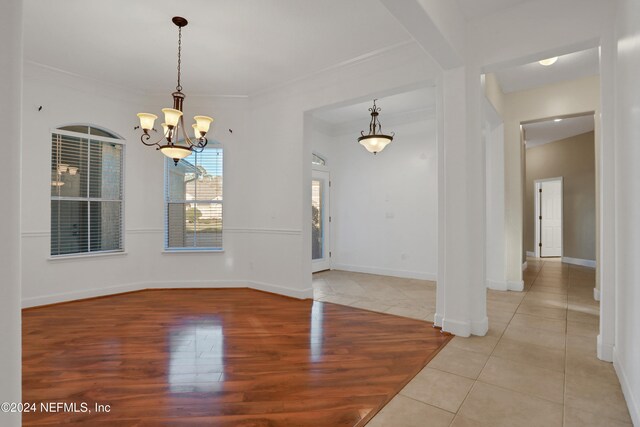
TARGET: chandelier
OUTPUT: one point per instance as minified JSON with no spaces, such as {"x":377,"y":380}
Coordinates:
{"x":174,"y":121}
{"x":375,"y":141}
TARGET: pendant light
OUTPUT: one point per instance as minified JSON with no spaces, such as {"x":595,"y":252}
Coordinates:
{"x":375,"y":141}
{"x":174,"y":120}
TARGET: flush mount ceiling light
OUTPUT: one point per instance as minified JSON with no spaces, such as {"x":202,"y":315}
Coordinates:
{"x":174,"y":121}
{"x":375,"y":141}
{"x":557,"y":120}
{"x":547,"y":62}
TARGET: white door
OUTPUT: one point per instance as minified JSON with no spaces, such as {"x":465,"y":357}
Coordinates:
{"x":320,"y":221}
{"x":550,"y":202}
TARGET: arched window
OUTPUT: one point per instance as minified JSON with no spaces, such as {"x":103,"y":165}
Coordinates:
{"x":318,"y":160}
{"x":87,"y":166}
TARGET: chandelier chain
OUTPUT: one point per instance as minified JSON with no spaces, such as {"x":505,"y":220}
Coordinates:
{"x":179,"y":86}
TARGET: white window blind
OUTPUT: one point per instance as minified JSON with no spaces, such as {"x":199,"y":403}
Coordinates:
{"x":86,"y":191}
{"x":193,"y":201}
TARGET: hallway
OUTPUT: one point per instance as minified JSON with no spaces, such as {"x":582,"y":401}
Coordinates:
{"x":537,"y":366}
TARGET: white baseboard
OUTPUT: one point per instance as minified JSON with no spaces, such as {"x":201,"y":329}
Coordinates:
{"x":497,"y":285}
{"x":509,"y":285}
{"x":437,"y":320}
{"x":531,"y":254}
{"x":204,"y":284}
{"x":280,"y":290}
{"x":578,"y":261}
{"x":456,"y":327}
{"x":525,"y":265}
{"x":386,"y":272}
{"x":604,"y":351}
{"x":596,"y":294}
{"x":515,"y":285}
{"x":78,"y":295}
{"x":480,"y":327}
{"x":632,"y":403}
{"x":466,"y":328}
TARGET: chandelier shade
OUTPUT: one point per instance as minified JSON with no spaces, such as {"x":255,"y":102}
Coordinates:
{"x":375,"y":141}
{"x":147,"y":120}
{"x":175,"y":151}
{"x":171,"y":116}
{"x":175,"y":143}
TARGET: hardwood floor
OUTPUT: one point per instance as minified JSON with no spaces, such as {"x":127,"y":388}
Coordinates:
{"x":225,"y":357}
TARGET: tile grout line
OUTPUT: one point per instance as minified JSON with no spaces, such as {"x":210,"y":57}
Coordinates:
{"x":475,"y":381}
{"x":566,"y":349}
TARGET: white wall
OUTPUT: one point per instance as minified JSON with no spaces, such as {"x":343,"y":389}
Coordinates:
{"x":281,"y":161}
{"x":577,"y":96}
{"x":320,"y":135}
{"x":69,"y":99}
{"x":627,"y":344}
{"x":384,"y":207}
{"x":264,"y":166}
{"x":10,"y":322}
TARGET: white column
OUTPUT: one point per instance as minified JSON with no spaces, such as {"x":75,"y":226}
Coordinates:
{"x":461,"y":275}
{"x":10,"y":114}
{"x":495,"y":207}
{"x":606,"y":169}
{"x":477,"y":199}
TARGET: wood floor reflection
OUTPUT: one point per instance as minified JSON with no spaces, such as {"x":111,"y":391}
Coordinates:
{"x":226,"y":357}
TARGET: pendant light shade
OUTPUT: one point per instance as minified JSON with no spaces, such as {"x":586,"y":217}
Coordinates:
{"x":375,"y":141}
{"x":147,"y":120}
{"x":175,"y":152}
{"x":203,"y":123}
{"x":171,"y":116}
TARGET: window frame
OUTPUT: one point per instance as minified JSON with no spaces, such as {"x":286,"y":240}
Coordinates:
{"x":168,"y":163}
{"x":322,"y":158}
{"x":115,"y":140}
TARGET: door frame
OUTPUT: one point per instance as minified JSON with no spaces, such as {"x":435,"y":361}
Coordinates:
{"x":536,"y":186}
{"x":325,"y":262}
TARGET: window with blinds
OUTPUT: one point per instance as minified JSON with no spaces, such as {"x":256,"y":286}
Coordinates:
{"x":193,"y":201}
{"x":86,"y":191}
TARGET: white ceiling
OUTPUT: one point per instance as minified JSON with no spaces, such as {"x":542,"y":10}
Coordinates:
{"x":540,"y":133}
{"x":568,"y":67}
{"x":481,"y":8}
{"x":391,"y":106}
{"x":230,"y":47}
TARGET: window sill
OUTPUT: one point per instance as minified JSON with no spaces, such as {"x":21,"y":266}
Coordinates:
{"x":192,"y":251}
{"x":86,"y":256}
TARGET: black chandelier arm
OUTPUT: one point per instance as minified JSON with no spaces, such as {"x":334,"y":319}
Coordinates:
{"x":199,"y":148}
{"x":199,"y":143}
{"x":145,"y":137}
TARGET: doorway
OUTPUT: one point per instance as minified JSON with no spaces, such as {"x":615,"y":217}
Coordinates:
{"x":549,"y":195}
{"x":320,"y":221}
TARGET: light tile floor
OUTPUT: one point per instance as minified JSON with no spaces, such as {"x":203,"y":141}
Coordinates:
{"x":537,"y":366}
